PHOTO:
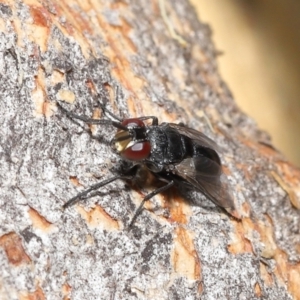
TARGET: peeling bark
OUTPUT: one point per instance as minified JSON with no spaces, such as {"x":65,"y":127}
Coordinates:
{"x":142,"y":58}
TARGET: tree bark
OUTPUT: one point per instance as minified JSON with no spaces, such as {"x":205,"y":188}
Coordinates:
{"x":142,"y":58}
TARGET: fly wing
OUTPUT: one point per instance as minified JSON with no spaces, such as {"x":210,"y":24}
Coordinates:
{"x":197,"y":136}
{"x":207,"y":177}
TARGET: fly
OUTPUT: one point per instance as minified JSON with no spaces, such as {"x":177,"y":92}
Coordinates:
{"x":173,"y":153}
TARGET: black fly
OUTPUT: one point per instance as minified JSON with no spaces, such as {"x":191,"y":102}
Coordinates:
{"x":173,"y":153}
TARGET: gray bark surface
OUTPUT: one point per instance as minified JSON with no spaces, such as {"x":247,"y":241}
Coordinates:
{"x":126,"y":53}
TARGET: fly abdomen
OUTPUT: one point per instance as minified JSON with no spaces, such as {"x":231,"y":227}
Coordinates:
{"x":199,"y":151}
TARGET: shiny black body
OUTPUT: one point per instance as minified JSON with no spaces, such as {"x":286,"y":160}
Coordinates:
{"x":169,"y":147}
{"x":179,"y":155}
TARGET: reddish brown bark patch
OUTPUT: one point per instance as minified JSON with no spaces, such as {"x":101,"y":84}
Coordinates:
{"x":12,"y":245}
{"x":38,"y":294}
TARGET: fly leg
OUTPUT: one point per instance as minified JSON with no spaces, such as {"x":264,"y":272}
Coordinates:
{"x":154,"y":119}
{"x":107,"y":112}
{"x":83,"y":195}
{"x":78,"y":117}
{"x":128,"y":174}
{"x":92,"y":121}
{"x":149,"y":196}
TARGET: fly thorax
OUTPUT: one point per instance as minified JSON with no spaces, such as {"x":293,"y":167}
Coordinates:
{"x":158,"y":141}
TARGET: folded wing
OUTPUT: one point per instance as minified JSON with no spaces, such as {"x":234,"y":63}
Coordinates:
{"x":206,"y":176}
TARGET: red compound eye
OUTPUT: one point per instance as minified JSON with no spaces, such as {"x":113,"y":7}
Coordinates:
{"x":133,"y":123}
{"x":138,"y":151}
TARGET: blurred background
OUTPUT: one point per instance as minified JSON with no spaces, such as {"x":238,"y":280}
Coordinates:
{"x":260,"y":41}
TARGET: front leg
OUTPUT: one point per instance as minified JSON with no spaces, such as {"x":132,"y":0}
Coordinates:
{"x":85,"y":194}
{"x":154,"y":119}
{"x":92,"y":121}
{"x":78,"y":117}
{"x":128,"y":174}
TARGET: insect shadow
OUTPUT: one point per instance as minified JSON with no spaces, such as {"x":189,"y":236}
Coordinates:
{"x":174,"y":154}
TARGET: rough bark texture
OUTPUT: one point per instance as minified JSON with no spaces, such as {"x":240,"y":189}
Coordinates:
{"x":125,"y":52}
